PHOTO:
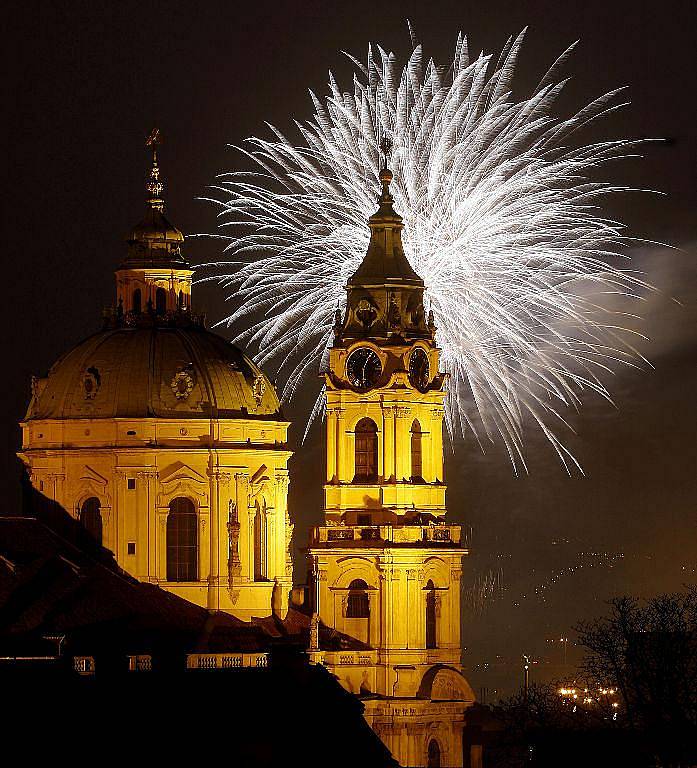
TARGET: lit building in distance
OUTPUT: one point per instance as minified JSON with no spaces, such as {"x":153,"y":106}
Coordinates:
{"x":386,"y":567}
{"x":166,"y":441}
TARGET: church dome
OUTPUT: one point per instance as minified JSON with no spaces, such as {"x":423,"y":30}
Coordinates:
{"x":154,"y":358}
{"x":154,"y":372}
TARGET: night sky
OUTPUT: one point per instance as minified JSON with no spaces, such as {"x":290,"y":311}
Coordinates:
{"x":87,"y":81}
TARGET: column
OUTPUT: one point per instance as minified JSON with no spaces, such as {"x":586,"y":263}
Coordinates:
{"x":331,"y":445}
{"x":161,"y":545}
{"x":386,"y":577}
{"x":146,"y":527}
{"x":218,"y":484}
{"x":282,"y":538}
{"x":388,"y":443}
{"x":455,"y":602}
{"x":412,"y":608}
{"x":214,"y":566}
{"x":344,"y":473}
{"x":154,"y":552}
{"x":437,"y":443}
{"x":119,"y":506}
{"x":402,"y":443}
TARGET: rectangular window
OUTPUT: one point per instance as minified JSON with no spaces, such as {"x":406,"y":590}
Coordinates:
{"x":131,"y":484}
{"x":131,"y":547}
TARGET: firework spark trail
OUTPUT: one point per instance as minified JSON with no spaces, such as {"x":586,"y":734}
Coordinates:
{"x":487,"y":588}
{"x":501,"y":220}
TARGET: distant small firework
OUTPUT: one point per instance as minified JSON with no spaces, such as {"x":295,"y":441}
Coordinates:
{"x":502,"y":221}
{"x":486,"y":588}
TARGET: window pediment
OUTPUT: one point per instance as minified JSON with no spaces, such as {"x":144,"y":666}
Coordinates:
{"x":180,"y":472}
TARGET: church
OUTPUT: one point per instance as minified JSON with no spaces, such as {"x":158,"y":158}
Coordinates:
{"x":168,"y":444}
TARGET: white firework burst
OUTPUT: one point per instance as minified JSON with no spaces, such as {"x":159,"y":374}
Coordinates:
{"x":502,"y":221}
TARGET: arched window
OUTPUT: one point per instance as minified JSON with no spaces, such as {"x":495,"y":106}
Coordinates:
{"x":431,"y":639}
{"x":416,"y":463}
{"x":366,"y":451}
{"x":137,"y":302}
{"x":181,"y":300}
{"x":260,"y":542}
{"x":433,"y":754}
{"x":182,"y":541}
{"x":91,"y":517}
{"x":160,"y":301}
{"x":358,"y":605}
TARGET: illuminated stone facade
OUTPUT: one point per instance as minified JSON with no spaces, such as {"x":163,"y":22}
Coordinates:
{"x":166,"y":441}
{"x":169,"y":445}
{"x":386,"y":567}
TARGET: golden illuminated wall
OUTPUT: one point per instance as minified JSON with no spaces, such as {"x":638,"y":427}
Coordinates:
{"x":176,"y":284}
{"x":394,"y":408}
{"x":390,"y":534}
{"x":137,"y":467}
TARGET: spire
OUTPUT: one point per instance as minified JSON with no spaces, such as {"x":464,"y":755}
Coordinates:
{"x":153,"y":282}
{"x":155,"y":241}
{"x":155,"y":186}
{"x":385,"y":261}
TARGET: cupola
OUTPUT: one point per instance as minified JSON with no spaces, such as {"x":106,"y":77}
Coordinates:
{"x":385,"y":294}
{"x":154,"y":278}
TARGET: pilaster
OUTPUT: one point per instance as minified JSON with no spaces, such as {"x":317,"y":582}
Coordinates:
{"x":389,"y":443}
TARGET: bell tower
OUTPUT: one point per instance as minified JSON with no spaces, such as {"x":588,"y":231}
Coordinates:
{"x":386,"y":566}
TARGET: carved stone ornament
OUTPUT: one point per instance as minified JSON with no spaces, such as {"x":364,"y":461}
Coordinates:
{"x":258,"y":389}
{"x":418,"y":315}
{"x":366,"y":313}
{"x":448,"y":685}
{"x":91,"y":383}
{"x":314,"y":632}
{"x":233,"y":529}
{"x":182,"y":383}
{"x":394,"y":316}
{"x":35,"y":387}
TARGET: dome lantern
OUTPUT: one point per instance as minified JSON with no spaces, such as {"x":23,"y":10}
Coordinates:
{"x":154,"y":278}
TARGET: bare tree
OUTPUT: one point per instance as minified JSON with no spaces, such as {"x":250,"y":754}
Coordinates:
{"x":648,"y":650}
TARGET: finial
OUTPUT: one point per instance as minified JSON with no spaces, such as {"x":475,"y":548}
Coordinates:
{"x":385,"y":173}
{"x":386,"y":148}
{"x":155,"y":187}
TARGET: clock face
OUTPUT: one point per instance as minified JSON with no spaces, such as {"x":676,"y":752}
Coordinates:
{"x":363,"y":368}
{"x":419,"y":369}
